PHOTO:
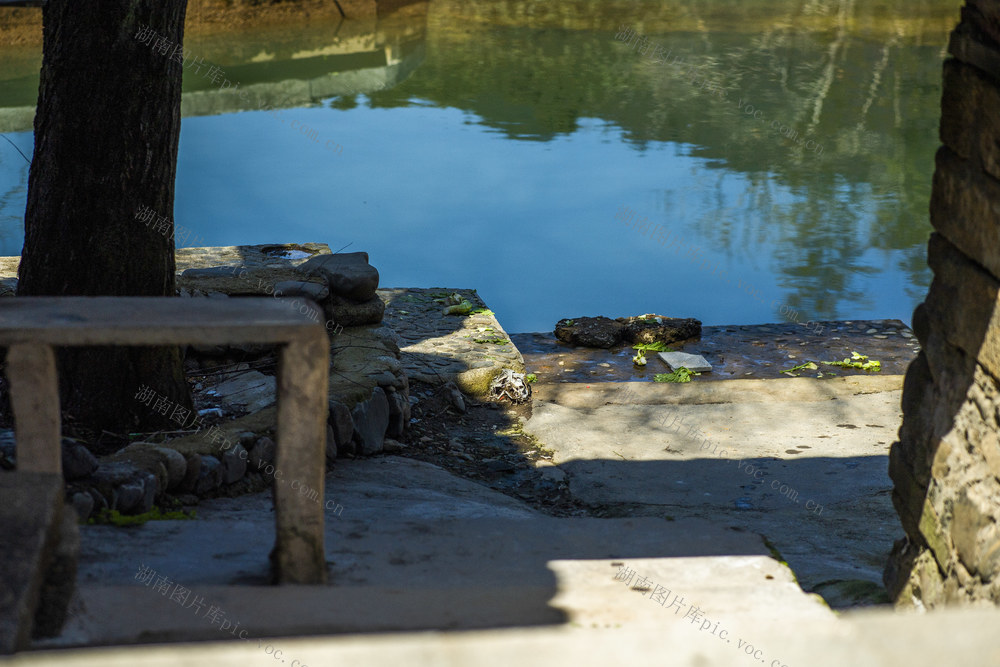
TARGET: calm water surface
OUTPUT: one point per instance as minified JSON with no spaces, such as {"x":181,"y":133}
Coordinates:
{"x":497,"y":145}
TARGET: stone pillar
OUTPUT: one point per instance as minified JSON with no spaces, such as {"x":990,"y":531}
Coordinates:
{"x":946,"y":465}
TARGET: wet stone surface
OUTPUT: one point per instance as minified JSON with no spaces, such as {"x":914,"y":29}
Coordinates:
{"x":438,"y":348}
{"x":749,"y":351}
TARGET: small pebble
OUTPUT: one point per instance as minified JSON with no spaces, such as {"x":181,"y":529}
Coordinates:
{"x":791,"y":356}
{"x":879,"y":336}
{"x":906,"y":334}
{"x":871,"y":331}
{"x":604,"y":364}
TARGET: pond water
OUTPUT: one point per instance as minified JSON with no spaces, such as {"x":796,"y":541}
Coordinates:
{"x":779,"y":153}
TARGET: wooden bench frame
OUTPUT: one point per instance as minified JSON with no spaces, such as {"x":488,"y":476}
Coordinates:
{"x":32,"y":326}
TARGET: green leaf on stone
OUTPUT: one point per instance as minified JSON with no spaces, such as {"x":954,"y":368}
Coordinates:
{"x":859,"y":361}
{"x":658,"y":346}
{"x":807,"y":366}
{"x":682,"y":374}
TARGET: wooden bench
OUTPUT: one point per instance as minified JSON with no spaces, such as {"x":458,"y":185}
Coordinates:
{"x":30,"y":327}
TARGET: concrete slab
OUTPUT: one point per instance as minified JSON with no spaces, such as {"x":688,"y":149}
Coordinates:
{"x":578,"y":593}
{"x":807,"y":468}
{"x":875,"y":639}
{"x":704,"y":391}
{"x":416,"y":548}
{"x":692,"y":362}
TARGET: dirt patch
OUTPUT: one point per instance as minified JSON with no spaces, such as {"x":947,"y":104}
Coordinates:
{"x":486,"y":444}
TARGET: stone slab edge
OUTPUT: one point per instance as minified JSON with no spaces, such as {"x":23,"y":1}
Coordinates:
{"x":593,"y":395}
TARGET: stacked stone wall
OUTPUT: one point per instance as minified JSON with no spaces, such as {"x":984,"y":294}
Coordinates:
{"x":946,"y":465}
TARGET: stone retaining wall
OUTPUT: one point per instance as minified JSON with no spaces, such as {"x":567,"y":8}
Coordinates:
{"x":946,"y":465}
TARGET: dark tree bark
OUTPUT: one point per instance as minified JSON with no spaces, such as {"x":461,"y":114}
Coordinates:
{"x":106,"y":133}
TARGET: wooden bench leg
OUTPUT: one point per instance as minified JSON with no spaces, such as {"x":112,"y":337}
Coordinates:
{"x":34,"y":397}
{"x":303,"y":383}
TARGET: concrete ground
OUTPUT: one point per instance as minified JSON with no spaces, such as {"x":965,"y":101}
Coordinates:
{"x":430,"y":569}
{"x":801,"y":461}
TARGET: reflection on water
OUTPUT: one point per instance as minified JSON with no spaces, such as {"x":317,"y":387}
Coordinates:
{"x":788,"y":143}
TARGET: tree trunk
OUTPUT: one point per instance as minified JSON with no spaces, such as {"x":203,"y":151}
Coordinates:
{"x":106,"y":134}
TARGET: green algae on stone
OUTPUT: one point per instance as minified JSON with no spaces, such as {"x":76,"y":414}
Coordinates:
{"x":116,"y":518}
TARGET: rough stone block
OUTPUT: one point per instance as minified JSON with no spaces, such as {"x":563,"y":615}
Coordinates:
{"x":975,"y":534}
{"x":962,"y":304}
{"x":907,"y":494}
{"x":476,"y":381}
{"x":348,"y":275}
{"x":371,"y":419}
{"x":137,"y":497}
{"x":128,"y":489}
{"x":144,"y":456}
{"x":935,"y":534}
{"x":970,"y":42}
{"x":990,"y":448}
{"x":176,"y":466}
{"x":397,"y":410}
{"x":342,"y":422}
{"x":973,"y":135}
{"x":262,"y":453}
{"x":77,"y":461}
{"x":251,"y":390}
{"x":234,"y":464}
{"x":331,"y":444}
{"x":963,"y":208}
{"x":192,"y":472}
{"x":348,"y":313}
{"x":209,"y":476}
{"x":302,"y":288}
{"x":984,"y":15}
{"x":83,"y":503}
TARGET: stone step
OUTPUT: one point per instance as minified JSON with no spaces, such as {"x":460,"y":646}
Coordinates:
{"x":802,"y":461}
{"x":734,"y":593}
{"x":872,"y":639}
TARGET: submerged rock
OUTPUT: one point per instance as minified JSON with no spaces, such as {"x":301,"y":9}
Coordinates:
{"x":653,"y":328}
{"x":605,"y":332}
{"x":590,"y":331}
